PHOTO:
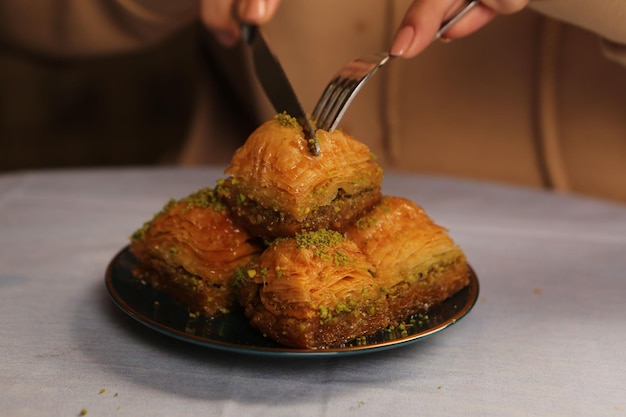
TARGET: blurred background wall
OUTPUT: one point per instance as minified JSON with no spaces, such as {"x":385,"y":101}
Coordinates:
{"x":106,"y":111}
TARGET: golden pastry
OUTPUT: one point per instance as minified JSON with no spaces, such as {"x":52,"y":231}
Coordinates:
{"x":191,"y":249}
{"x":417,"y":264}
{"x":277,"y":188}
{"x":312,"y":291}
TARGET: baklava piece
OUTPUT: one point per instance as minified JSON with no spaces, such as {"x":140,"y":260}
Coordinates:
{"x":277,"y":188}
{"x":417,"y":264}
{"x":312,"y":291}
{"x":190,"y":251}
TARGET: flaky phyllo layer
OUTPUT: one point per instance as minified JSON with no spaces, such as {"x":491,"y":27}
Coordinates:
{"x":402,"y":241}
{"x":416,"y":261}
{"x":192,"y":248}
{"x":313,"y":290}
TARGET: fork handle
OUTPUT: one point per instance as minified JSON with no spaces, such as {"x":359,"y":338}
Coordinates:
{"x":457,"y":16}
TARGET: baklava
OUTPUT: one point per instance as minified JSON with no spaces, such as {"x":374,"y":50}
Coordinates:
{"x":417,"y":263}
{"x":277,"y":188}
{"x":314,"y":290}
{"x":191,"y":249}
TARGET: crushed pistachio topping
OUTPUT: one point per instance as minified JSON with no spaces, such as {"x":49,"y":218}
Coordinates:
{"x":321,"y":243}
{"x":329,"y":314}
{"x":203,"y":198}
{"x":366,"y":222}
{"x":319,"y":240}
{"x":241,"y":276}
{"x":341,"y":258}
{"x":286,"y":120}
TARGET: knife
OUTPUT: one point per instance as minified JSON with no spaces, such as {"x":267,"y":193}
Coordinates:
{"x":276,"y":84}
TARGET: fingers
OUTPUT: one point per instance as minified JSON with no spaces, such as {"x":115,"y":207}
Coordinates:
{"x":476,"y":19}
{"x":424,"y":17}
{"x":224,"y":17}
{"x":256,"y":11}
{"x":506,"y":6}
{"x":419,"y":26}
{"x":482,"y":14}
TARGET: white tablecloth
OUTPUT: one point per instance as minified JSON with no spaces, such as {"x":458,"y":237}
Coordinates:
{"x":547,"y":336}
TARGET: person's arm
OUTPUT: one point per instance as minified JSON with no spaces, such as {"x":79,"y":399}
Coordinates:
{"x":73,"y":28}
{"x":607,"y":18}
{"x":424,"y":17}
{"x":604,"y":17}
{"x":65,"y":28}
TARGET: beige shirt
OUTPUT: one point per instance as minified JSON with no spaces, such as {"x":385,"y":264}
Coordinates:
{"x":527,"y":100}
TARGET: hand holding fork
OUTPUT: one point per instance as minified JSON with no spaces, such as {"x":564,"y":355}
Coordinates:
{"x":349,"y":80}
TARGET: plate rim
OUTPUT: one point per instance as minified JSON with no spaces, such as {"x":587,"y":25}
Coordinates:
{"x":128,"y":309}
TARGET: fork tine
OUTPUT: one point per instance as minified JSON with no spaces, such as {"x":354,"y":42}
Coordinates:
{"x":335,"y":108}
{"x":333,"y":102}
{"x":326,"y":95}
{"x":342,"y":89}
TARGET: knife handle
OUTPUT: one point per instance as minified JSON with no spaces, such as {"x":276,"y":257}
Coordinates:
{"x":248,"y":32}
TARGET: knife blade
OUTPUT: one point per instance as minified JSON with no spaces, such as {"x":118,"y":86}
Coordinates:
{"x":275,"y":83}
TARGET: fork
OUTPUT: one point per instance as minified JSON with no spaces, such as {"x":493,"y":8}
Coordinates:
{"x":348,"y":81}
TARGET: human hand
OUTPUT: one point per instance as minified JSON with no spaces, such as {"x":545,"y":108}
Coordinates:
{"x":224,"y":17}
{"x":424,"y":17}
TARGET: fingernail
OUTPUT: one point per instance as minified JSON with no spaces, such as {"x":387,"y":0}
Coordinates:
{"x":252,"y":10}
{"x":261,"y":9}
{"x":402,"y":41}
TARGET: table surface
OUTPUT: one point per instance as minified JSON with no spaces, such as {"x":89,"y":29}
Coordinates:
{"x":547,"y":336}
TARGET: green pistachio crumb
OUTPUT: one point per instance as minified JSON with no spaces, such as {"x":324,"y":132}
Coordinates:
{"x":341,"y":258}
{"x":241,"y":276}
{"x":203,"y":198}
{"x":366,"y":222}
{"x":286,"y":120}
{"x":319,"y":240}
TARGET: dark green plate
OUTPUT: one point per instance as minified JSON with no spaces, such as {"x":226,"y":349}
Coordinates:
{"x":233,"y":333}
